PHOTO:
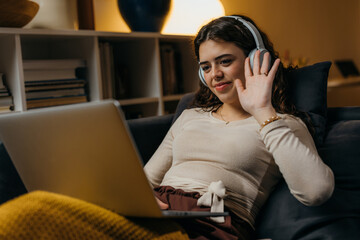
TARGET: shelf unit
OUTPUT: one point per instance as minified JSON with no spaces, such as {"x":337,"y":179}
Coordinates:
{"x":139,"y":51}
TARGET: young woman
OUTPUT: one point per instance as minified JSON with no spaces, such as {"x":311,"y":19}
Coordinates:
{"x":242,"y":137}
{"x":226,"y":154}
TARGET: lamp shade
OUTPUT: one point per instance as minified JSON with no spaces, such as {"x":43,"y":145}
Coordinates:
{"x":187,"y":16}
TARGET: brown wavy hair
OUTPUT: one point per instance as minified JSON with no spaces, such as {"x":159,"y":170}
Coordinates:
{"x":231,"y":30}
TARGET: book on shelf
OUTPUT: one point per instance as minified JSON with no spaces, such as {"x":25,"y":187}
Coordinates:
{"x":2,"y":81}
{"x":4,"y":93}
{"x":55,"y":93}
{"x":5,"y":109}
{"x":105,"y":62}
{"x":33,"y":64}
{"x":114,"y":73}
{"x":49,"y":74}
{"x":6,"y":100}
{"x":53,"y":86}
{"x":40,"y":103}
{"x":121,"y":80}
{"x":51,"y":69}
{"x":4,"y":88}
{"x":170,"y":69}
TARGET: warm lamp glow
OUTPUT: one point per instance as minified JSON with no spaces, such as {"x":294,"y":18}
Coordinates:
{"x":187,"y":16}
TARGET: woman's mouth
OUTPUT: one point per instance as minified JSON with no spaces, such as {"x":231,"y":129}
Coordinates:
{"x":222,"y":86}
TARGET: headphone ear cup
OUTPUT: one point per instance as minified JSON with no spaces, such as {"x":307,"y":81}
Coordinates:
{"x":251,"y":57}
{"x":262,"y":53}
{"x":201,"y":76}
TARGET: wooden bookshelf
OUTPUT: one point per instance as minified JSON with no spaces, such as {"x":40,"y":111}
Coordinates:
{"x":133,"y":63}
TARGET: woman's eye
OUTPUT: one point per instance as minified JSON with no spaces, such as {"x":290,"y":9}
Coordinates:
{"x":225,"y":61}
{"x":205,"y":68}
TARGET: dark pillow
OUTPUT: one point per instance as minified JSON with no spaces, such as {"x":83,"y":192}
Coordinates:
{"x":308,"y":88}
{"x":283,"y":217}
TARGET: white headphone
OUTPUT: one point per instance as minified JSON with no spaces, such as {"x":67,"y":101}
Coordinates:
{"x":259,"y":45}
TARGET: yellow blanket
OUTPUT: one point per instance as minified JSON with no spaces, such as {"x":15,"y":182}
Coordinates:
{"x":44,"y":215}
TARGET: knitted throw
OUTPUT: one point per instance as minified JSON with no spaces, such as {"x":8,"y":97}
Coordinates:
{"x":44,"y":215}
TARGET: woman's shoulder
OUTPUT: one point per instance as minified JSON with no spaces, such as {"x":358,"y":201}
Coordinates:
{"x":192,"y":114}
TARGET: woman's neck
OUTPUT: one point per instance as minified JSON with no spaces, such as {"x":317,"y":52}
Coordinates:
{"x":229,"y":112}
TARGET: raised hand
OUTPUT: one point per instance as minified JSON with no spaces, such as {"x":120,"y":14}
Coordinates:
{"x":255,"y":92}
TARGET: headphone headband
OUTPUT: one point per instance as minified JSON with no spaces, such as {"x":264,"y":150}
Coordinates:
{"x":252,"y":29}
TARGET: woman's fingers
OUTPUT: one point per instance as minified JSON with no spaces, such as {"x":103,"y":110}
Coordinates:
{"x":264,"y":70}
{"x":256,"y":63}
{"x":274,"y":68}
{"x":247,"y":71}
{"x":261,"y":66}
{"x":265,"y":63}
{"x":239,"y":86}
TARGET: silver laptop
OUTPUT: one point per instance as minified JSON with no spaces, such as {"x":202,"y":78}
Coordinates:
{"x":85,"y":151}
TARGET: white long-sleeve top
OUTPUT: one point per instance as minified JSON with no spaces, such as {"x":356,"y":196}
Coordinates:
{"x":200,"y":149}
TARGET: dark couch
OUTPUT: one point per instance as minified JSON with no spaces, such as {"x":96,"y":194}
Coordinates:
{"x":283,"y":217}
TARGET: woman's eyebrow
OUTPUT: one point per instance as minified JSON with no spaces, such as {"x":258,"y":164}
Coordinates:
{"x":217,"y":58}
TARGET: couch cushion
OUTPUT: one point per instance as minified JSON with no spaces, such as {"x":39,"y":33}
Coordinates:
{"x":183,"y":104}
{"x":308,"y":86}
{"x":283,"y":217}
{"x":148,"y":133}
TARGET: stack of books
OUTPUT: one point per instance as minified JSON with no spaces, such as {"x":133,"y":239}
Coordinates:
{"x":115,"y":75}
{"x":170,"y":69}
{"x":54,"y":82}
{"x":6,"y":100}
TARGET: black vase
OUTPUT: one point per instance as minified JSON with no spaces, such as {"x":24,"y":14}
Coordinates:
{"x":144,"y":15}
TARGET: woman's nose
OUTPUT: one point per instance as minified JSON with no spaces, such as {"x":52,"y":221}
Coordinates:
{"x":216,"y":73}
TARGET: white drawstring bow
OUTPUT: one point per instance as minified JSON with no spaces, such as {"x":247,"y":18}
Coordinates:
{"x":214,"y":198}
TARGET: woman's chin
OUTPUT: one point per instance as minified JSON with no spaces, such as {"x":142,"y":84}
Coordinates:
{"x":228,"y":98}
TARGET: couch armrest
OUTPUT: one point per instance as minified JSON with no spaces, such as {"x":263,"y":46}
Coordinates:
{"x":343,"y":113}
{"x":148,"y":133}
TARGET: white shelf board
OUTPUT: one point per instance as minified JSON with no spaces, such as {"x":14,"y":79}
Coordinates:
{"x":70,"y":32}
{"x":341,"y":82}
{"x":135,"y":101}
{"x":173,"y":97}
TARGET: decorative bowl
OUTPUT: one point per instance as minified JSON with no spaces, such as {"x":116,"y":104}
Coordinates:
{"x":17,"y":13}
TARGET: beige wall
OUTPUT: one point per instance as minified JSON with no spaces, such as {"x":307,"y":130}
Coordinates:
{"x":317,"y":29}
{"x":357,"y":36}
{"x":107,"y":16}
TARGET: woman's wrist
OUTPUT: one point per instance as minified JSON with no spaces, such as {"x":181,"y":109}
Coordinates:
{"x":264,"y":114}
{"x":270,"y":120}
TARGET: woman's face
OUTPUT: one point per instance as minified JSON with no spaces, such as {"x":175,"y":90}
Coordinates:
{"x":222,"y":63}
